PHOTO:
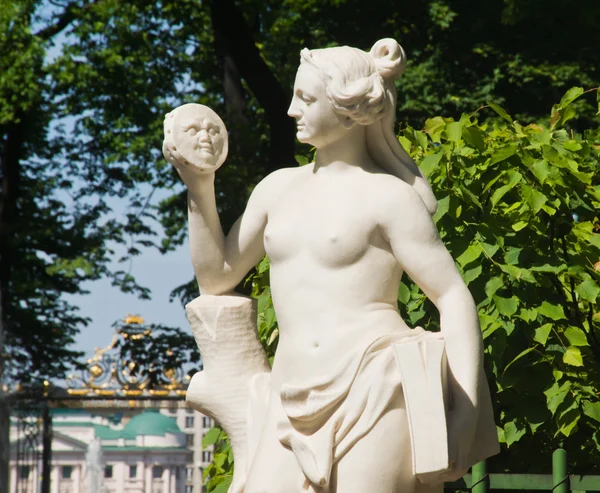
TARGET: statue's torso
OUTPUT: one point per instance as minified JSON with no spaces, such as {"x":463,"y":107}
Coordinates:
{"x":334,"y":279}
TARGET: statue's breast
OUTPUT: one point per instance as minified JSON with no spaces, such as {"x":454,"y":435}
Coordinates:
{"x":332,"y":233}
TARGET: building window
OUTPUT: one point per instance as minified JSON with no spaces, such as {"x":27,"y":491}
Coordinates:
{"x":173,"y":409}
{"x":108,"y":472}
{"x":189,"y":410}
{"x":206,"y":456}
{"x":189,"y":421}
{"x":157,"y":472}
{"x":24,"y":472}
{"x":132,"y":472}
{"x":206,"y":423}
{"x":189,"y":439}
{"x":189,"y":488}
{"x":189,"y":473}
{"x":66,"y":472}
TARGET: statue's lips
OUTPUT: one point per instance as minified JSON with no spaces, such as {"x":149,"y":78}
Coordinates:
{"x":207,"y":148}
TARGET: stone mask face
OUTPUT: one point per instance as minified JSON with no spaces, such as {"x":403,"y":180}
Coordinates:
{"x":198,"y":135}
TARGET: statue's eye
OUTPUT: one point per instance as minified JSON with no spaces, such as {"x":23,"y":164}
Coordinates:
{"x":192,"y":131}
{"x":212,"y":131}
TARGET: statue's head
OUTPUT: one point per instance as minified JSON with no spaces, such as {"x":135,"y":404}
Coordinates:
{"x":337,"y":88}
{"x":198,"y":134}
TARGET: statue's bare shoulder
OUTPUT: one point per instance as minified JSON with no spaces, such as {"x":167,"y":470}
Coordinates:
{"x":274,"y":185}
{"x":400,"y":208}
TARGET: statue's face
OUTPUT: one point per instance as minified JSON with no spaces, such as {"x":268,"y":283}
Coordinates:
{"x":318,"y":124}
{"x":198,"y":134}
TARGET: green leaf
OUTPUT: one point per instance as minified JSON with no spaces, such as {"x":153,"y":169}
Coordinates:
{"x":403,"y":294}
{"x":493,"y":285}
{"x":421,"y":139}
{"x":453,"y":132}
{"x":301,"y":160}
{"x":434,"y":127}
{"x":592,"y":409}
{"x":224,"y":486}
{"x":503,"y":153}
{"x":555,"y":312}
{"x":443,"y":207}
{"x":572,"y":356}
{"x":474,"y":137}
{"x":511,"y":256}
{"x":518,"y":273}
{"x":405,"y":143}
{"x":512,"y":433}
{"x":518,"y":357}
{"x":500,"y":111}
{"x":430,"y":163}
{"x":529,"y":315}
{"x":542,"y":333}
{"x":514,"y":177}
{"x":211,"y":437}
{"x":519,"y":225}
{"x":506,"y":306}
{"x":588,"y":290}
{"x":576,"y":336}
{"x":570,"y":96}
{"x":535,"y":199}
{"x":541,"y":170}
{"x":556,"y":394}
{"x":472,"y":253}
{"x":472,"y":274}
{"x":568,"y":421}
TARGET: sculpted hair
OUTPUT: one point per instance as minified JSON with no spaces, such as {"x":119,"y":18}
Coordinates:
{"x":360,"y":86}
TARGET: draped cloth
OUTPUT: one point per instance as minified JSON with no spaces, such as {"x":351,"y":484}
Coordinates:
{"x":322,"y":420}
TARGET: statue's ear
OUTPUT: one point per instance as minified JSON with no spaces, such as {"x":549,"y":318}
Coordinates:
{"x":348,"y":122}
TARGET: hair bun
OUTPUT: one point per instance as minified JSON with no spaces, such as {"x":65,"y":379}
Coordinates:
{"x":389,"y":57}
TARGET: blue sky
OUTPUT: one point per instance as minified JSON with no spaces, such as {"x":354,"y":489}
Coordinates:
{"x":106,"y":304}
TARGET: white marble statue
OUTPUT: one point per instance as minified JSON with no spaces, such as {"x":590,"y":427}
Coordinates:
{"x":356,"y":401}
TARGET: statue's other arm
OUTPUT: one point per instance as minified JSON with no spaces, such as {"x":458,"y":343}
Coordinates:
{"x":416,"y":245}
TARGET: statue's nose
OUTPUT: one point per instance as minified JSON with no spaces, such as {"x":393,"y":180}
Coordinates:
{"x":203,"y":135}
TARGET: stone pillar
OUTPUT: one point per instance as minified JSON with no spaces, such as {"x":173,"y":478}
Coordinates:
{"x":120,"y":470}
{"x":77,"y":476}
{"x":55,"y":478}
{"x":174,"y":476}
{"x":166,"y":477}
{"x":147,"y":478}
{"x":13,"y":479}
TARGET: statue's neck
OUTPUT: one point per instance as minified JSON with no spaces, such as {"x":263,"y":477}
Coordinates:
{"x":345,"y":153}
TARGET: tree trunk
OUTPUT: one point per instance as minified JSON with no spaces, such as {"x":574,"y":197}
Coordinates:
{"x":10,"y":155}
{"x":235,"y":39}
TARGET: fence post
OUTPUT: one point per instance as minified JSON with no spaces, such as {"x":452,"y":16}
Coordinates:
{"x":560,"y":475}
{"x":480,"y":479}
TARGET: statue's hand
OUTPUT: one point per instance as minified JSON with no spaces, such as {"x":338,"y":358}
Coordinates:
{"x":191,"y":175}
{"x":195,"y":142}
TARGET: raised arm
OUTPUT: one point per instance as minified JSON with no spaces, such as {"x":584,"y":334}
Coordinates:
{"x":196,"y":144}
{"x":221,"y":262}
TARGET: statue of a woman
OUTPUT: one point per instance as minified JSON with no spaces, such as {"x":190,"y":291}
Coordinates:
{"x":340,"y":233}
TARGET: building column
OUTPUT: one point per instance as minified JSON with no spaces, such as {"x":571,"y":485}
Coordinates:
{"x":148,"y":478}
{"x":55,"y":478}
{"x":167,"y":479}
{"x":13,"y":479}
{"x":120,"y":469}
{"x":174,"y":476}
{"x":77,"y":478}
